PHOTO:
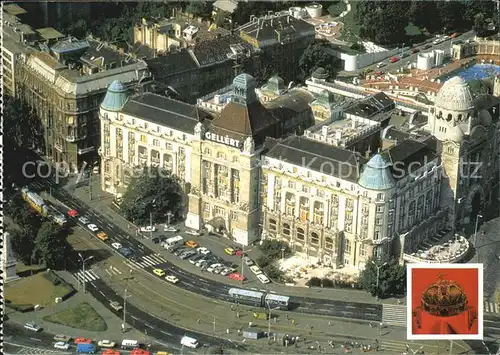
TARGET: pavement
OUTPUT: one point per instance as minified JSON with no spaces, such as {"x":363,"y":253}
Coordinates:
{"x":102,"y":203}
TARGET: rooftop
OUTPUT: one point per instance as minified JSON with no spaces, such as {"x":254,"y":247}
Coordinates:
{"x":319,"y":156}
{"x":164,"y":111}
{"x":13,"y":9}
{"x":342,"y":133}
{"x":49,"y":33}
{"x":371,"y":106}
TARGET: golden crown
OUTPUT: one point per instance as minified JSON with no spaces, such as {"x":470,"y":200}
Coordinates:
{"x":445,"y":298}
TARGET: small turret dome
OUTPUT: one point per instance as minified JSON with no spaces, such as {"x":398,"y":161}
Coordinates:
{"x":320,"y":73}
{"x":455,"y":135}
{"x":244,"y":80}
{"x":377,"y":175}
{"x":116,"y":97}
{"x":485,"y":118}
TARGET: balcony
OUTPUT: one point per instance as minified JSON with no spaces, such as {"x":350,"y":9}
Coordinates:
{"x":73,"y":139}
{"x":59,"y":147}
{"x":155,"y":160}
{"x":86,"y":150}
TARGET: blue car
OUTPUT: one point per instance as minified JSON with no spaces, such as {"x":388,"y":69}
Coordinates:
{"x":126,"y":252}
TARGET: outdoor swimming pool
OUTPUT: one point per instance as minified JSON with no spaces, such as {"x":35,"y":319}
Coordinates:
{"x":477,"y":71}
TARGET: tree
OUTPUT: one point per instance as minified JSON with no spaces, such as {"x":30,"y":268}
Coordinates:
{"x":22,"y":214}
{"x":315,"y":57}
{"x":155,"y":191}
{"x":51,"y":245}
{"x":382,"y":22}
{"x":392,"y":278}
{"x":198,"y":8}
{"x":22,"y":242}
{"x":272,"y":249}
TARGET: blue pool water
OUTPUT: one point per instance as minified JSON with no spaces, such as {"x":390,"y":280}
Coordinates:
{"x":477,"y":71}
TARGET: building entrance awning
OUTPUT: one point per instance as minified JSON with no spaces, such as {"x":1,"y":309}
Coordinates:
{"x":217,"y":224}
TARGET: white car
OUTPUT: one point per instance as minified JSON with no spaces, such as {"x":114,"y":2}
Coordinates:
{"x":148,"y":229}
{"x":203,"y":250}
{"x":193,"y":232}
{"x":213,"y":267}
{"x":263,"y":278}
{"x":106,"y":344}
{"x":117,"y":246}
{"x":170,"y":229}
{"x":61,"y":345}
{"x":199,"y":262}
{"x":255,"y":269}
{"x":83,"y":220}
{"x":33,"y":327}
{"x":172,"y":279}
{"x":226,"y":271}
{"x":93,"y":227}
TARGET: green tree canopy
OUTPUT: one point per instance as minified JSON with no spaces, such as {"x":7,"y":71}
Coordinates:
{"x":392,"y":278}
{"x":51,"y":245}
{"x":271,"y":248}
{"x":199,"y":8}
{"x":23,"y":243}
{"x":315,"y":56}
{"x":383,"y":22}
{"x":155,"y":191}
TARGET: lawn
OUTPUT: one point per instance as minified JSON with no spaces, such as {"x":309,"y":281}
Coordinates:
{"x":34,"y":290}
{"x":81,"y":316}
{"x":350,"y":29}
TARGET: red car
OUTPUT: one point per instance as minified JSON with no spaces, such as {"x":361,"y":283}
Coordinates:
{"x":139,"y":352}
{"x":238,"y":252}
{"x":236,"y":276}
{"x":394,"y":59}
{"x":110,"y":352}
{"x":73,"y":213}
{"x":82,"y":340}
{"x":415,"y":50}
{"x":454,"y":35}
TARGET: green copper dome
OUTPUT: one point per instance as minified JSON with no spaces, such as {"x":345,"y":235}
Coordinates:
{"x":116,"y":96}
{"x":377,"y":175}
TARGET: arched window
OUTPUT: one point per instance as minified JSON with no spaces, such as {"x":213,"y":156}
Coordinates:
{"x":314,"y":238}
{"x":286,"y":229}
{"x":300,"y":234}
{"x":328,"y":243}
{"x":207,"y":151}
{"x":449,"y":117}
{"x":460,"y":117}
{"x":272,"y":225}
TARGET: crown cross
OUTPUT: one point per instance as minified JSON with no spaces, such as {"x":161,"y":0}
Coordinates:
{"x":441,"y":276}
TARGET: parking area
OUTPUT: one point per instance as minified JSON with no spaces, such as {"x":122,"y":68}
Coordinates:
{"x":206,"y":252}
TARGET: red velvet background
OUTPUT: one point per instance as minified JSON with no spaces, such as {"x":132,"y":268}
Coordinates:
{"x":468,"y":279}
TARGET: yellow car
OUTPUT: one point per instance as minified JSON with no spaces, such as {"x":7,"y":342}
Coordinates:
{"x":191,"y":244}
{"x":229,"y":251}
{"x":102,"y":236}
{"x":159,"y":272}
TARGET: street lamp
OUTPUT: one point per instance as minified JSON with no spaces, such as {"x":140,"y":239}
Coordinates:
{"x":282,"y":253}
{"x":269,"y":322}
{"x":475,"y":235}
{"x":169,"y":215}
{"x":378,"y":274}
{"x":125,"y":296}
{"x":83,"y":269}
{"x":151,"y":219}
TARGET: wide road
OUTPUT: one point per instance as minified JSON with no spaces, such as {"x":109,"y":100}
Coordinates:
{"x":208,"y":287}
{"x":412,"y":57}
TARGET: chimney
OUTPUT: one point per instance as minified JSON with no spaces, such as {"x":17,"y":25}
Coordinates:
{"x":22,"y":37}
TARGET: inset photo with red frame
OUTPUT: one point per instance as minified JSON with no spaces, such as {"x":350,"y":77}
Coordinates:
{"x":444,"y":301}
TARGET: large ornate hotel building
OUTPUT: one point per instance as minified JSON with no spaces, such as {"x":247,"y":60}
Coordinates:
{"x":338,"y":180}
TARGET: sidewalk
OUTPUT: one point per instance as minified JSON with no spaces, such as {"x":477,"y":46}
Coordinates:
{"x":113,"y":322}
{"x":101,"y":202}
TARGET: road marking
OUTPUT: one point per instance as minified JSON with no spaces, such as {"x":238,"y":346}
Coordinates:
{"x":350,"y":307}
{"x":102,"y":293}
{"x":36,"y":339}
{"x":134,"y":317}
{"x":108,"y":272}
{"x":110,"y":225}
{"x":149,"y":326}
{"x":165,"y":333}
{"x":93,"y":284}
{"x":114,"y":268}
{"x":132,"y":265}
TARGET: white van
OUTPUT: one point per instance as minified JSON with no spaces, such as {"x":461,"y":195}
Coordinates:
{"x":189,"y":342}
{"x":130,"y":344}
{"x":170,"y":242}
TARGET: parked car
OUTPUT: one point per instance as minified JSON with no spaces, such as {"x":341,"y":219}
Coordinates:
{"x":72,"y":213}
{"x":170,"y":229}
{"x":203,"y":250}
{"x":148,"y":229}
{"x":255,"y":269}
{"x":226,"y":271}
{"x":219,"y":269}
{"x":236,"y":276}
{"x":195,"y":259}
{"x":193,"y":232}
{"x":102,"y":236}
{"x":159,"y":272}
{"x":156,"y":240}
{"x":117,"y":246}
{"x":172,"y":279}
{"x":126,"y":252}
{"x":83,"y":220}
{"x":33,"y":327}
{"x":427,"y":46}
{"x":61,"y":345}
{"x":247,"y":261}
{"x":110,"y":352}
{"x":180,"y":251}
{"x":116,"y":306}
{"x":415,"y":50}
{"x":212,"y":267}
{"x":263,"y":278}
{"x":106,"y":344}
{"x":200,"y":263}
{"x":191,"y":244}
{"x":139,"y":352}
{"x":175,"y":248}
{"x":238,"y":252}
{"x":82,"y":340}
{"x":229,"y":251}
{"x":188,"y":254}
{"x":63,"y":338}
{"x":93,"y":227}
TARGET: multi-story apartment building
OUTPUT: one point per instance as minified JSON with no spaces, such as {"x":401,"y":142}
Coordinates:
{"x":282,"y":38}
{"x":64,"y":83}
{"x":217,"y":157}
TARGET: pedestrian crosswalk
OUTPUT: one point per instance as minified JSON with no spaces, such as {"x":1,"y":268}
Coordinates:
{"x":147,"y":261}
{"x":490,"y":307}
{"x":394,"y":314}
{"x":89,"y":276}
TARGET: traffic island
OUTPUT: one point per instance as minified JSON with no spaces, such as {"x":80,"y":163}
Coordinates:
{"x":42,"y":289}
{"x":81,"y":316}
